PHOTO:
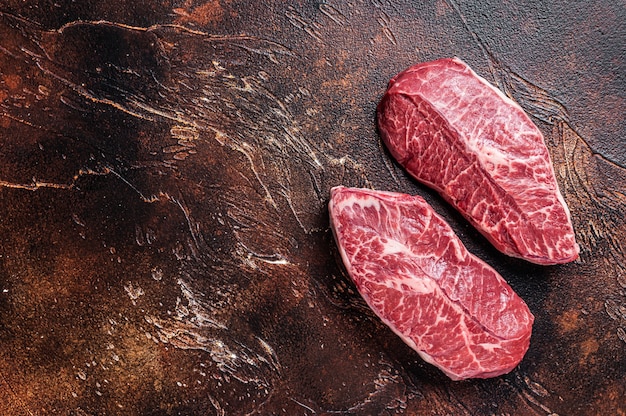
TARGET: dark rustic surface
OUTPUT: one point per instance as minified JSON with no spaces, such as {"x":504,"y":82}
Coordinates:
{"x":164,"y":174}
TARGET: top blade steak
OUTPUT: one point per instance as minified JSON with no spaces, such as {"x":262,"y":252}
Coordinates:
{"x":456,"y":311}
{"x":453,"y":131}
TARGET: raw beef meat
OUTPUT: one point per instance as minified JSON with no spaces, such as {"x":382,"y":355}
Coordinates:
{"x":452,"y":308}
{"x":453,"y":131}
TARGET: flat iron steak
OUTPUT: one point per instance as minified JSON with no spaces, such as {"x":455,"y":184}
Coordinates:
{"x":412,"y":270}
{"x":453,"y":131}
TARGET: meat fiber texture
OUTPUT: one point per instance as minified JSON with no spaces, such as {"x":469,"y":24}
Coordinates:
{"x":453,"y":131}
{"x":452,"y":308}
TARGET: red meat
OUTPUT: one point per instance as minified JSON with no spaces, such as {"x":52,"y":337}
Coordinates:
{"x":453,"y":131}
{"x":412,"y":270}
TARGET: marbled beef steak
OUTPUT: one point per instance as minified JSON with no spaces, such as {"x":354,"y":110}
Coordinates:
{"x":456,"y":311}
{"x":453,"y":131}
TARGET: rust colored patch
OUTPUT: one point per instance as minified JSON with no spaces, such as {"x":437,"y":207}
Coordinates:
{"x":588,"y":347}
{"x":3,"y":95}
{"x":12,"y":81}
{"x":5,"y":122}
{"x":568,"y":321}
{"x":613,"y":394}
{"x":203,"y":15}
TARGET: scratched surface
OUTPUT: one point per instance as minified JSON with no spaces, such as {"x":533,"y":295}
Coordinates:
{"x":164,"y":173}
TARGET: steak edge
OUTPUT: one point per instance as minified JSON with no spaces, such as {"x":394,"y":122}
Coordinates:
{"x":456,"y":133}
{"x":452,"y":308}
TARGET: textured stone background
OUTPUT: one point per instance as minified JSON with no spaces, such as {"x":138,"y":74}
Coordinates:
{"x":164,"y":174}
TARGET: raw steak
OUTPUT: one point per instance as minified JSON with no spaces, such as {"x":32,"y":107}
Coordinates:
{"x":453,"y":131}
{"x":452,"y":308}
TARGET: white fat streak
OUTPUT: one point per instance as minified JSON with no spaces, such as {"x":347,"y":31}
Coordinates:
{"x":423,"y":286}
{"x":363,"y":200}
{"x":396,"y":247}
{"x":281,"y":262}
{"x":492,"y":155}
{"x":490,"y":346}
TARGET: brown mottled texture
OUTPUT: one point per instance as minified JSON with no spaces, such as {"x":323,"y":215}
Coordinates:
{"x":164,"y":172}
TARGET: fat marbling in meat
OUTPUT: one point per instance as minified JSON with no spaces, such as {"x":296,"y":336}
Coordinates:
{"x":453,"y":131}
{"x":452,"y":308}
